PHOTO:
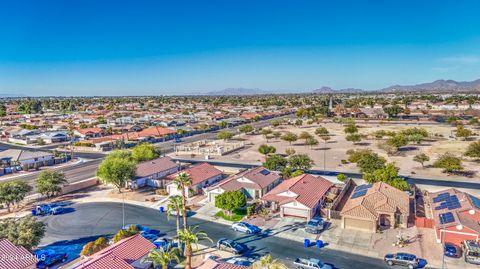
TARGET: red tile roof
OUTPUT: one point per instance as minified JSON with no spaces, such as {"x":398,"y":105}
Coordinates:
{"x":199,"y":173}
{"x":119,"y":255}
{"x":305,"y":189}
{"x":158,"y":165}
{"x":13,"y":257}
{"x":90,"y":130}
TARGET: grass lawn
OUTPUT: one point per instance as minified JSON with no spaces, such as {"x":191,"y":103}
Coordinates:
{"x":237,"y":215}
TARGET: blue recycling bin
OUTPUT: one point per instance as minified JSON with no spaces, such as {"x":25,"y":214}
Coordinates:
{"x":34,"y":212}
{"x":306,"y":243}
{"x":319,"y":243}
{"x":162,"y":209}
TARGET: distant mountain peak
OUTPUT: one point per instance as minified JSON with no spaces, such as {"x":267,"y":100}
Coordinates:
{"x":238,"y":91}
{"x":439,"y":85}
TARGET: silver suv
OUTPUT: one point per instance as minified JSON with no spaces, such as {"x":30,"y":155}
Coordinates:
{"x":403,"y":259}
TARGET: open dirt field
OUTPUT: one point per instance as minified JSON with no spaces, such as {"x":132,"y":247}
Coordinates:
{"x":329,"y":155}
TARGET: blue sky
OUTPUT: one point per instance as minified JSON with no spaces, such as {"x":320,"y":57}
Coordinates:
{"x":91,"y":47}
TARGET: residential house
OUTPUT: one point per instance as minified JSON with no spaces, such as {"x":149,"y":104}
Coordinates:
{"x":24,"y":137}
{"x":375,"y":205}
{"x":301,"y":196}
{"x":13,"y":257}
{"x":12,"y":157}
{"x":125,"y":254}
{"x":202,"y":176}
{"x":254,"y":183}
{"x":456,"y":216}
{"x":86,"y":133}
{"x":152,"y":173}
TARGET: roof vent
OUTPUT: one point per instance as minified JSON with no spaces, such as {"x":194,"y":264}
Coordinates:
{"x":471,"y":212}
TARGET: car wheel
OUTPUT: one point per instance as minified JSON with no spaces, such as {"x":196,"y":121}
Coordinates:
{"x":390,"y":263}
{"x":249,"y":232}
{"x":410,"y":266}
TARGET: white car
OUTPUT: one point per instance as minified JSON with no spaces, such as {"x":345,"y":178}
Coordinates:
{"x":245,"y":228}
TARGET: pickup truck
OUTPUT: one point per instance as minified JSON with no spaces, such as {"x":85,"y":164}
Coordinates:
{"x":311,"y":263}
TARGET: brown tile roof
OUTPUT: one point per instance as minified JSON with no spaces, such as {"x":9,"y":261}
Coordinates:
{"x":13,"y":257}
{"x":260,"y":178}
{"x":155,"y":166}
{"x":308,"y":190}
{"x":90,"y":130}
{"x":381,"y":197}
{"x":119,"y":255}
{"x":199,"y":173}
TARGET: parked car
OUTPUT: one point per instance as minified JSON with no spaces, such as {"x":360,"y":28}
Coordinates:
{"x":452,"y":250}
{"x":311,"y":263}
{"x":165,"y":243}
{"x":315,"y":226}
{"x":471,"y":251}
{"x":48,"y":209}
{"x":239,"y":261}
{"x":231,"y":246}
{"x":403,"y":259}
{"x":246,"y":228}
{"x":50,"y":260}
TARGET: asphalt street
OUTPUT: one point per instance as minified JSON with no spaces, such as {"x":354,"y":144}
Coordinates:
{"x":94,"y":219}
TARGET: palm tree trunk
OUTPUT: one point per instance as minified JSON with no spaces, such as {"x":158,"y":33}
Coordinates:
{"x":178,"y":223}
{"x":188,"y":263}
{"x":184,"y":207}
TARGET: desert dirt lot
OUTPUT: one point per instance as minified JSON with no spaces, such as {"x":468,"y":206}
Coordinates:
{"x":335,"y":149}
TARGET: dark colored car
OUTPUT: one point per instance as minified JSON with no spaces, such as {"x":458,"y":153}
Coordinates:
{"x":231,"y":246}
{"x":451,"y":250}
{"x":403,"y":259}
{"x":51,"y":260}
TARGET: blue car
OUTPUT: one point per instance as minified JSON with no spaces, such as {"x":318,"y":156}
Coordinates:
{"x":50,"y":260}
{"x":451,"y":250}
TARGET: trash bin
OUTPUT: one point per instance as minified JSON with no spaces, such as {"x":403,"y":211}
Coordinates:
{"x":34,"y":212}
{"x":162,"y":209}
{"x":319,"y":243}
{"x":306,"y":243}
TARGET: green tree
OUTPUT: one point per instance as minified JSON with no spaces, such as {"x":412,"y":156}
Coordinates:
{"x":122,"y":234}
{"x":290,"y":151}
{"x":277,"y":135}
{"x":275,"y":163}
{"x":452,"y":120}
{"x":289,"y":137}
{"x":116,"y":169}
{"x":230,"y":200}
{"x":223,"y":125}
{"x":389,"y":175}
{"x":191,"y":237}
{"x":266,"y":149}
{"x":300,"y":162}
{"x":246,"y":129}
{"x":463,"y":132}
{"x":350,"y":128}
{"x":305,"y":135}
{"x":49,"y":182}
{"x":393,"y":111}
{"x":162,"y":258}
{"x":321,"y":131}
{"x":421,"y":158}
{"x":144,"y":152}
{"x":311,"y":142}
{"x":265,"y":132}
{"x":94,"y":246}
{"x":3,"y":110}
{"x":267,"y":262}
{"x":224,"y":135}
{"x":26,"y":232}
{"x":397,"y":141}
{"x":13,"y":192}
{"x":183,"y":182}
{"x":342,"y":177}
{"x":296,"y":173}
{"x":354,"y":137}
{"x":276,"y":123}
{"x":366,"y":160}
{"x":473,"y":150}
{"x":449,"y":162}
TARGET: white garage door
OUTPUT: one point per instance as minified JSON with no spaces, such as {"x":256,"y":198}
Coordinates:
{"x":296,"y":212}
{"x":173,"y":190}
{"x":357,"y":224}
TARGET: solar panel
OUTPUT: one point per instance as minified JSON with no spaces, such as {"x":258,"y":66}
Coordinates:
{"x":441,"y":197}
{"x":362,"y":187}
{"x":359,"y":194}
{"x":264,"y":172}
{"x":475,"y":201}
{"x":441,"y":206}
{"x":446,"y":218}
{"x":453,"y":202}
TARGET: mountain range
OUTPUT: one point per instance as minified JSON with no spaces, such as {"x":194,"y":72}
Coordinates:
{"x":239,"y":91}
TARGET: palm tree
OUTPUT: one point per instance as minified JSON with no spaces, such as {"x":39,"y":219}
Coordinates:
{"x":267,"y":262}
{"x":175,"y":204}
{"x":183,"y":181}
{"x":190,"y":236}
{"x":70,"y":133}
{"x":162,"y":257}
